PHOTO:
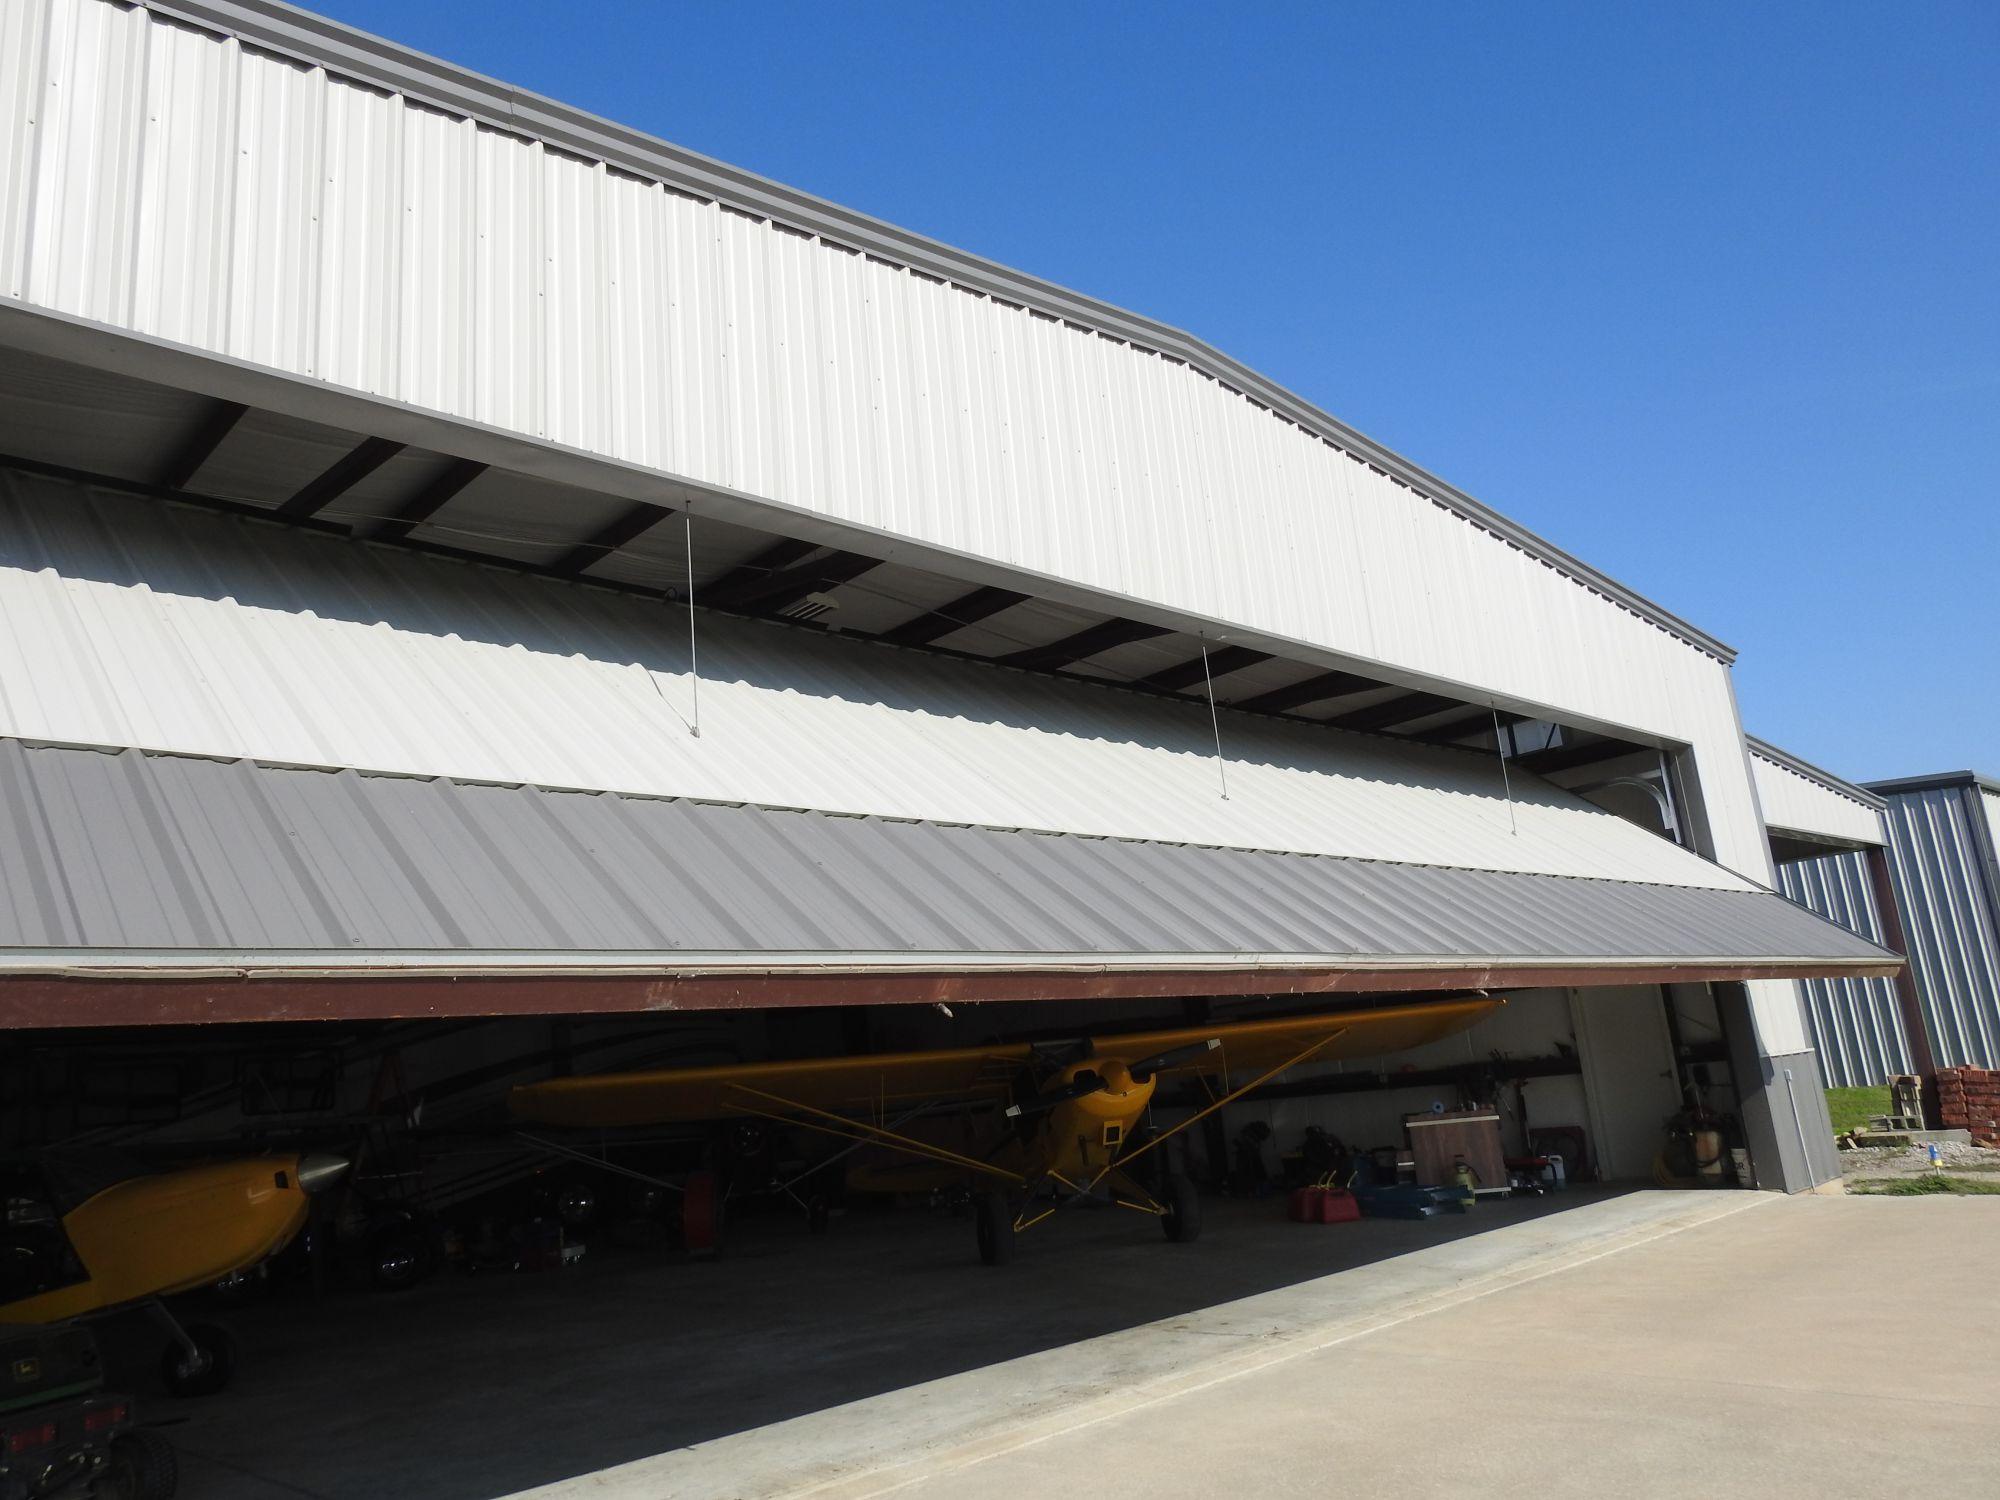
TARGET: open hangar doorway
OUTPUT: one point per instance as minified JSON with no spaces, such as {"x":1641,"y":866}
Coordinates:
{"x":638,"y":1347}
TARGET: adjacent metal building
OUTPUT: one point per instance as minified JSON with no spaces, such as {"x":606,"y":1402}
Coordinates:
{"x":462,"y":554}
{"x":1909,"y":863}
{"x":1943,"y":834}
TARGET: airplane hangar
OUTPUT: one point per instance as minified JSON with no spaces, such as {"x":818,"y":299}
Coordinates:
{"x":490,"y":596}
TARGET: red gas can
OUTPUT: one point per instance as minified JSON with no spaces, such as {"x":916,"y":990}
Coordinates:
{"x":1338,"y":1206}
{"x":1306,"y":1201}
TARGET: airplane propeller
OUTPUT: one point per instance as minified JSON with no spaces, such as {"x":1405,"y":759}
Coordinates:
{"x":1159,"y":1062}
{"x":1084,"y":1083}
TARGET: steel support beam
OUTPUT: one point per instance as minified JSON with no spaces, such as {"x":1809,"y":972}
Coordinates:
{"x":1398,"y":710}
{"x":780,"y":554}
{"x":1473,"y":723}
{"x":1219,"y":661}
{"x":1312,"y":690}
{"x":607,"y":539}
{"x":1082,"y":644}
{"x":966,"y":609}
{"x":347,"y":471}
{"x":426,"y":503}
{"x":779,"y":590}
{"x":1570,"y":757}
{"x":201,"y":444}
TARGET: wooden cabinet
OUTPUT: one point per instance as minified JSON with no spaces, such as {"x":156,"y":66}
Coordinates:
{"x":1439,"y":1140}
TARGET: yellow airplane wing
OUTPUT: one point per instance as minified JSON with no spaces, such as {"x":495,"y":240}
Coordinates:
{"x":875,"y":1083}
{"x":843,"y":1085}
{"x":1250,"y":1047}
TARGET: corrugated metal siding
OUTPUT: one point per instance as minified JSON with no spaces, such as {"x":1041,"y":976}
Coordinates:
{"x":1941,"y":856}
{"x":1801,"y":804}
{"x":1857,"y":1026}
{"x":183,"y":186}
{"x":108,"y":857}
{"x":126,"y":622}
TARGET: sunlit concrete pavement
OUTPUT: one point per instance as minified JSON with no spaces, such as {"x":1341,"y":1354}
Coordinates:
{"x":1602,"y":1343}
{"x":1819,"y":1347}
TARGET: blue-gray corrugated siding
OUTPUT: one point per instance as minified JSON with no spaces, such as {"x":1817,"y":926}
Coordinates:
{"x":1856,"y":1025}
{"x":1942,"y":864}
{"x":1942,"y":859}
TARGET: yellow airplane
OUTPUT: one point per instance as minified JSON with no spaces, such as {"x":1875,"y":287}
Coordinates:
{"x":81,"y":1241}
{"x":1061,"y":1119}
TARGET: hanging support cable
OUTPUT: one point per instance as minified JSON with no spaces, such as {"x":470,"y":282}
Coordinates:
{"x":694,"y":666}
{"x":1506,"y":781}
{"x":1214,"y":723}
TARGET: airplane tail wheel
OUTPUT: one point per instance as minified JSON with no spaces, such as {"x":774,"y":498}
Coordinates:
{"x":818,"y":1215}
{"x":203,"y":1370}
{"x":142,"y":1467}
{"x":1182,"y":1221}
{"x":995,"y":1216}
{"x":701,"y":1215}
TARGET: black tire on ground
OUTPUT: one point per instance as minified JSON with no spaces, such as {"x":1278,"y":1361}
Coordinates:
{"x":1182,"y":1221}
{"x":818,"y":1215}
{"x":142,"y":1467}
{"x":402,"y":1253}
{"x":208,"y":1370}
{"x":995,"y":1219}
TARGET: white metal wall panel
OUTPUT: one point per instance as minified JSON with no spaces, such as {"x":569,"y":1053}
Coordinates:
{"x":128,"y":623}
{"x":1801,"y":804}
{"x":791,"y":370}
{"x":1857,"y":1026}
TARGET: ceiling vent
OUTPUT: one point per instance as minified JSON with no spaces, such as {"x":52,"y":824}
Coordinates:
{"x":812,"y":607}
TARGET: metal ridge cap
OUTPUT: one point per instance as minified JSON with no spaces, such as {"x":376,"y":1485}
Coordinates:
{"x":1779,"y":756}
{"x":369,"y":59}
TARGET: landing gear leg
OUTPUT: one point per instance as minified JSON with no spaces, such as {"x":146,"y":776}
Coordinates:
{"x":200,"y":1358}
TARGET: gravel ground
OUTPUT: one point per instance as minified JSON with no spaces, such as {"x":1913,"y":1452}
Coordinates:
{"x":1914,"y":1161}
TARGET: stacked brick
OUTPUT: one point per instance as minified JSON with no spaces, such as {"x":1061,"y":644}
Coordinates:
{"x":1969,"y":1099}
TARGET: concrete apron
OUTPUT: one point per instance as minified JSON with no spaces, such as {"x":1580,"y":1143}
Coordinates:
{"x":881,"y":1444}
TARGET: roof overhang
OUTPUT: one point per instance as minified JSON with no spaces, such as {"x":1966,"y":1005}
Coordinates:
{"x":177,"y":889}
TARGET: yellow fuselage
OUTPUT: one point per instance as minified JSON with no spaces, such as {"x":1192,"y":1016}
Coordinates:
{"x":1083,"y":1136}
{"x":170,"y":1232}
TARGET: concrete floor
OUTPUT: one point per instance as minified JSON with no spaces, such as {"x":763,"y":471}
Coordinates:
{"x":1819,"y":1348}
{"x":1502,"y":1344}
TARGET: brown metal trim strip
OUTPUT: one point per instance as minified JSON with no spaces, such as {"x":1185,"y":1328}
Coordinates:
{"x":31,"y":1001}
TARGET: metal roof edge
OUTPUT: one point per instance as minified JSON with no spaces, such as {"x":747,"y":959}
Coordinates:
{"x":1937,"y":780}
{"x":217,"y":963}
{"x":319,"y":41}
{"x":1782,"y":757}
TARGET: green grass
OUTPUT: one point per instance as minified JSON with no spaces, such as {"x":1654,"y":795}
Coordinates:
{"x":1852,"y":1108}
{"x":1932,"y":1182}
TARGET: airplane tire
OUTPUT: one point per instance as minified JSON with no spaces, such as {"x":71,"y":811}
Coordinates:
{"x":1182,"y":1221}
{"x":818,"y":1215}
{"x":142,"y":1467}
{"x":214,"y":1370}
{"x":994,"y":1216}
{"x":701,"y":1215}
{"x":403,"y":1252}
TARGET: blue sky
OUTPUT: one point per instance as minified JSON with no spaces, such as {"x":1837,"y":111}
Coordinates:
{"x":1706,"y":294}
